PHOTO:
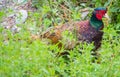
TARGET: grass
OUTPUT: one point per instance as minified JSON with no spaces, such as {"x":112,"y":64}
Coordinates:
{"x":21,"y":56}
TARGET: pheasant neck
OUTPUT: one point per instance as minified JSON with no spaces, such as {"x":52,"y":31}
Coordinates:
{"x":94,"y":22}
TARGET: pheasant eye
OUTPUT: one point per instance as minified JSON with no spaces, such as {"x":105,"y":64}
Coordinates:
{"x":98,"y":12}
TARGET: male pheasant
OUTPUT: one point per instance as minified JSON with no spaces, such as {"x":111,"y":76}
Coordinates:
{"x":86,"y":31}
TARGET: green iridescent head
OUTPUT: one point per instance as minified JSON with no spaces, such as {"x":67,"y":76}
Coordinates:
{"x":96,"y":19}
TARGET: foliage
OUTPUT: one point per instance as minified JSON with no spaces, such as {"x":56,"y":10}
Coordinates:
{"x":21,"y":56}
{"x":1,"y":14}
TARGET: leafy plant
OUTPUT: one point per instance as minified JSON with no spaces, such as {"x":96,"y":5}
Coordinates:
{"x":22,"y":56}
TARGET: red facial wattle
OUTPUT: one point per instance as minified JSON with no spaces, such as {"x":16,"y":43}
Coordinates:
{"x":100,"y":14}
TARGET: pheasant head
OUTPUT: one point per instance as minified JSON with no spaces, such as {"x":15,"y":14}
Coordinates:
{"x":96,"y":19}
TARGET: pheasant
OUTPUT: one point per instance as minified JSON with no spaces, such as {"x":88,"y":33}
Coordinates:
{"x":85,"y":31}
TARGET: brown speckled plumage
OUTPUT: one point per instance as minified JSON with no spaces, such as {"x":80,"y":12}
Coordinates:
{"x":84,"y":32}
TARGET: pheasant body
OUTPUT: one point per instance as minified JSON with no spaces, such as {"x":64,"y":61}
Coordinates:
{"x":89,"y":34}
{"x":86,"y":31}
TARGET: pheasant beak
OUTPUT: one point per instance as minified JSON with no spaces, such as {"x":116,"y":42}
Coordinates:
{"x":106,"y":16}
{"x":106,"y":19}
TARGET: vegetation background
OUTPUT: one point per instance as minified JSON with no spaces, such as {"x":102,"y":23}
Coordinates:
{"x":22,"y":56}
